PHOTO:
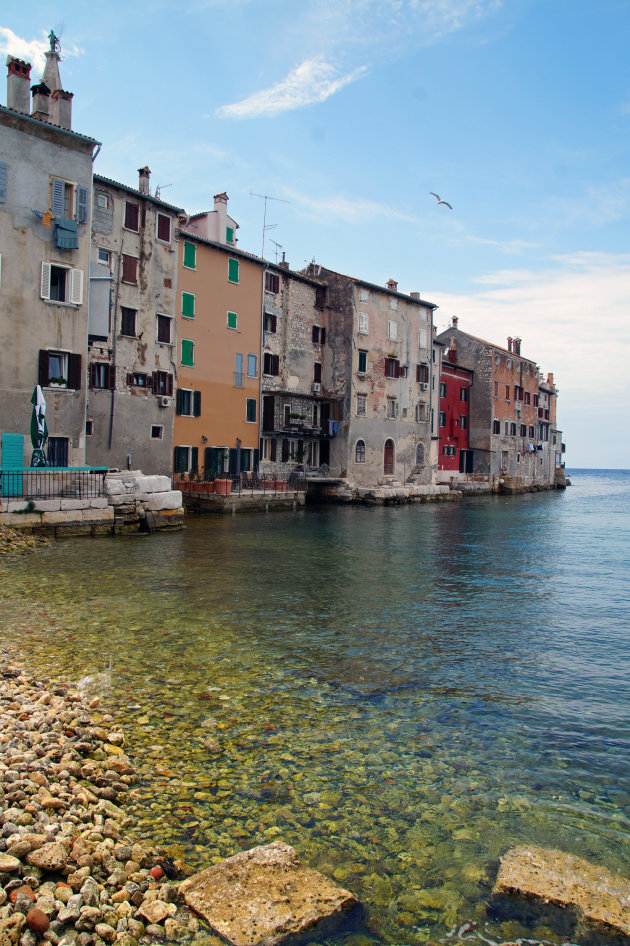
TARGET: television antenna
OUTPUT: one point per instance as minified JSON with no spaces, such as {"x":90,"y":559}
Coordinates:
{"x":278,"y":247}
{"x":160,"y":188}
{"x":267,"y":226}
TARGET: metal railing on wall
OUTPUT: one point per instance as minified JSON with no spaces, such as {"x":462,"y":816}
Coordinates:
{"x":80,"y":482}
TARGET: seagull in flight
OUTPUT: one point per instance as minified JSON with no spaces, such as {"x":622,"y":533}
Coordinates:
{"x":440,"y":201}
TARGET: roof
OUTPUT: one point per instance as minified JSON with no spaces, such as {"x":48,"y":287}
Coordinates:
{"x":232,"y":250}
{"x":483,"y":341}
{"x":137,"y":193}
{"x":385,"y":289}
{"x":46,"y":124}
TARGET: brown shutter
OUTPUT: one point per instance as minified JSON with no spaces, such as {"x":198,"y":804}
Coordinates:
{"x":74,"y":372}
{"x":323,"y":336}
{"x":154,"y":382}
{"x":169,"y":384}
{"x":110,"y":377}
{"x":272,"y":451}
{"x":130,"y":379}
{"x":43,"y":367}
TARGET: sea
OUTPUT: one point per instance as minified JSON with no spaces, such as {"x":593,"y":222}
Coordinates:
{"x":401,"y":693}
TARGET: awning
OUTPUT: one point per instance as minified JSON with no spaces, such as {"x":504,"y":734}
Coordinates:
{"x":66,"y":236}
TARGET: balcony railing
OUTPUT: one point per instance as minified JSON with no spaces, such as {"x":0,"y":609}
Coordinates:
{"x":80,"y":482}
{"x":244,"y":484}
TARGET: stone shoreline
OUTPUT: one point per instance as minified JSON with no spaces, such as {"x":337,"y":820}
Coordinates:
{"x":70,"y":873}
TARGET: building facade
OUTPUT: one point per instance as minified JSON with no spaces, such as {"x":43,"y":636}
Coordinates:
{"x":380,"y":373}
{"x":132,"y":350}
{"x":454,"y":456}
{"x":45,"y":188}
{"x":219,"y":313}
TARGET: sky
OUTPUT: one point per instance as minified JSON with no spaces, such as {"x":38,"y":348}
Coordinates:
{"x":348,"y":114}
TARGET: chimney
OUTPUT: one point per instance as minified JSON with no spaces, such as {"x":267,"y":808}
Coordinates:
{"x":414,"y":295}
{"x":62,"y":106}
{"x":18,"y":85}
{"x":516,"y":346}
{"x":509,"y":343}
{"x":41,"y":95}
{"x":392,"y":284}
{"x":220,"y":208}
{"x":143,"y":185}
{"x":550,"y":379}
{"x":284,"y":263}
{"x":454,"y":321}
{"x":452,"y":352}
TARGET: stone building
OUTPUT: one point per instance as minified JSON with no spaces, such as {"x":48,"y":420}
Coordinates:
{"x":219,"y":315}
{"x":455,"y":457}
{"x":132,"y":327}
{"x":505,"y":435}
{"x":379,"y":369}
{"x":298,"y":420}
{"x":45,"y":186}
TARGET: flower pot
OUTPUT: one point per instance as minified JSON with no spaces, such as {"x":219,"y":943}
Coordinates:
{"x":223,"y":487}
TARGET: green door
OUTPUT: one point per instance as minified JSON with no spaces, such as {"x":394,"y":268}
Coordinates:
{"x":12,"y":459}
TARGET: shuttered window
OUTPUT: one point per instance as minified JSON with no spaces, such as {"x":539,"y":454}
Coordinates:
{"x":190,"y":256}
{"x":392,"y":330}
{"x":188,"y":352}
{"x":3,"y":182}
{"x":163,"y":228}
{"x":251,"y":410}
{"x":229,"y":234}
{"x":362,"y":362}
{"x":363,"y":323}
{"x":130,"y":269}
{"x":132,"y":216}
{"x":102,"y":375}
{"x":233,"y":270}
{"x":232,"y":320}
{"x":162,"y":383}
{"x":61,"y":284}
{"x":188,"y":305}
{"x":82,"y":205}
{"x":272,"y":283}
{"x":271,"y":364}
{"x":57,"y":197}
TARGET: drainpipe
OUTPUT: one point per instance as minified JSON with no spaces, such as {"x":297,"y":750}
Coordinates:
{"x":113,"y":399}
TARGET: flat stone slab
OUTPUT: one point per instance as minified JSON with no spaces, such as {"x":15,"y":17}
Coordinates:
{"x":600,"y":897}
{"x":262,"y":896}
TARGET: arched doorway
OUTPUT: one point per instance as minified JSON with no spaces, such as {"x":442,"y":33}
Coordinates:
{"x":420,"y":454}
{"x":388,"y":458}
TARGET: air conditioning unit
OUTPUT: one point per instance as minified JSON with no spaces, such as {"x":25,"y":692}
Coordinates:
{"x":424,"y":386}
{"x":164,"y":401}
{"x":316,"y":387}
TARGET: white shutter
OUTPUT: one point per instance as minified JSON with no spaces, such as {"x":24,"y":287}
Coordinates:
{"x":363,"y":323}
{"x":422,"y":338}
{"x":76,"y":286}
{"x":45,"y":281}
{"x":392,"y":330}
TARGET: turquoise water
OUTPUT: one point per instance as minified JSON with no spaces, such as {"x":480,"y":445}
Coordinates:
{"x":401,"y":693}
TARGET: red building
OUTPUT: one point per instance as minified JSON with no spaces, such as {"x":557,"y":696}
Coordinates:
{"x":454,"y":455}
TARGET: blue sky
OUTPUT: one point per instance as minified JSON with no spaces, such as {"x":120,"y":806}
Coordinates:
{"x":351,"y":113}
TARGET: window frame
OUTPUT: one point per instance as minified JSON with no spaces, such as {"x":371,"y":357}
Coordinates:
{"x":252,"y":359}
{"x":129,"y":204}
{"x":73,"y":284}
{"x":188,"y":302}
{"x":233,"y":327}
{"x":362,"y":361}
{"x":188,"y":247}
{"x":359,"y":451}
{"x":187,"y":342}
{"x":272,"y":283}
{"x":392,"y":330}
{"x":248,"y":403}
{"x":129,"y":264}
{"x":361,"y":405}
{"x":125,"y":314}
{"x":233,"y":269}
{"x":160,"y":218}
{"x":162,"y":319}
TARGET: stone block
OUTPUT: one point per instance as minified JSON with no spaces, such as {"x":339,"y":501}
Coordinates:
{"x":123,"y":500}
{"x":263,"y":896}
{"x":153,"y":484}
{"x":97,"y":516}
{"x":18,"y":505}
{"x":114,"y":487}
{"x":47,"y":505}
{"x":62,"y":517}
{"x":71,"y":504}
{"x":601,"y":898}
{"x":25,"y":521}
{"x":170,"y":500}
{"x":167,"y":519}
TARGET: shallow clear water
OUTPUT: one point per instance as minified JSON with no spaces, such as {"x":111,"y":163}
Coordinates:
{"x":400,"y":693}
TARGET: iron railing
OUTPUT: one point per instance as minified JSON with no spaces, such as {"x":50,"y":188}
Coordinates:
{"x":244,"y":484}
{"x":71,"y":482}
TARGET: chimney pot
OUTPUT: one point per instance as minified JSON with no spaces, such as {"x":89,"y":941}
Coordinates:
{"x":509,"y":343}
{"x":41,"y":95}
{"x":516,"y":346}
{"x":63,"y":107}
{"x":18,"y":85}
{"x":144,"y":185}
{"x":455,"y":321}
{"x":392,"y":284}
{"x":414,"y":295}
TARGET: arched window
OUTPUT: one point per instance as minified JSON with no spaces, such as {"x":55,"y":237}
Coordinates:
{"x":388,"y":458}
{"x":359,"y":452}
{"x":420,"y":454}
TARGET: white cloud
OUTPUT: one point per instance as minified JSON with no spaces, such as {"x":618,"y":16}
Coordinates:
{"x":337,"y":207}
{"x":314,"y":80}
{"x":31,"y":50}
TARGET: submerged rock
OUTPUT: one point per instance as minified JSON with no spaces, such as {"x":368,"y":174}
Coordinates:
{"x":264,"y":895}
{"x":600,"y":897}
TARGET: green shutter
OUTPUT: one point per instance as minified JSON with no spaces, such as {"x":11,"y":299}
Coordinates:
{"x":232,"y":319}
{"x":233,"y":270}
{"x":190,"y":255}
{"x":229,"y":234}
{"x":196,"y":403}
{"x":188,"y":352}
{"x":251,"y":409}
{"x":188,"y":305}
{"x":181,"y":460}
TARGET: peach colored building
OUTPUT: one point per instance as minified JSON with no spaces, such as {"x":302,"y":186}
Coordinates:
{"x":219,"y":312}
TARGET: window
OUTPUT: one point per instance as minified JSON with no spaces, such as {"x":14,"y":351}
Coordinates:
{"x":61,"y":369}
{"x":233,"y":270}
{"x":523,"y":430}
{"x":449,"y":450}
{"x":162,"y":383}
{"x":130,"y":269}
{"x":463,"y":422}
{"x":229,"y":234}
{"x":320,"y":297}
{"x":496,"y":388}
{"x":128,"y":321}
{"x":271,"y":364}
{"x":252,"y":366}
{"x":392,"y":330}
{"x":421,"y":412}
{"x":532,"y":433}
{"x":536,"y":400}
{"x":190,"y":255}
{"x":317,"y":372}
{"x":271,"y":323}
{"x":188,"y":305}
{"x":138,"y":379}
{"x":57,"y":451}
{"x":61,"y":284}
{"x":359,"y":452}
{"x":496,"y":426}
{"x":463,"y":395}
{"x":272,"y":283}
{"x":163,"y":229}
{"x":392,"y":407}
{"x":506,"y":429}
{"x":319,"y":335}
{"x":364,"y":294}
{"x":101,"y":375}
{"x":157,"y":432}
{"x":250,"y":415}
{"x":89,"y":428}
{"x":101,"y":201}
{"x":188,"y":403}
{"x":232,"y":320}
{"x":62,"y":200}
{"x":422,"y":338}
{"x":527,"y":398}
{"x":188,"y":353}
{"x":518,"y":392}
{"x":361,"y":405}
{"x":103,"y":256}
{"x":422,"y":374}
{"x":392,"y":368}
{"x":512,"y":429}
{"x":238,"y":370}
{"x":388,"y":458}
{"x":132,"y":216}
{"x":164,"y":329}
{"x":362,"y":369}
{"x":442,"y":420}
{"x":363,"y":323}
{"x":507,"y":392}
{"x":443,"y":388}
